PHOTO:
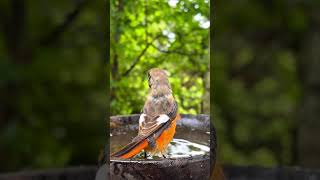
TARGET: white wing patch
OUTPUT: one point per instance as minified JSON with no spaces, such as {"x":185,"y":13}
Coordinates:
{"x":162,"y":119}
{"x":141,"y":119}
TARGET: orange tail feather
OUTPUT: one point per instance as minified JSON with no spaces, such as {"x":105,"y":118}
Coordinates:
{"x":131,"y":150}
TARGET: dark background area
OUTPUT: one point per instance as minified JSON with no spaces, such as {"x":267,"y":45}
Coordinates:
{"x":53,"y":83}
{"x":264,"y":82}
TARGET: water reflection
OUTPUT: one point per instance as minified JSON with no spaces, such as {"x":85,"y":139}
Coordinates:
{"x":184,"y":148}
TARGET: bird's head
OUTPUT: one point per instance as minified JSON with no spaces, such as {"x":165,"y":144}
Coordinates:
{"x":158,"y":82}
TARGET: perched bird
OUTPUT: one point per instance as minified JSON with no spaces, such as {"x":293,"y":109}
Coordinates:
{"x":157,"y":123}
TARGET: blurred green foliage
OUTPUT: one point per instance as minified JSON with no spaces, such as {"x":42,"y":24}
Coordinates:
{"x":52,"y":85}
{"x":256,"y":59}
{"x":171,"y":35}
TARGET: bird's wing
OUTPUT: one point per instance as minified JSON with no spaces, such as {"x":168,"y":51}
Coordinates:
{"x":155,"y":125}
{"x":148,"y":127}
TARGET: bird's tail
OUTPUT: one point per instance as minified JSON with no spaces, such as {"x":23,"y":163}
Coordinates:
{"x":131,"y":149}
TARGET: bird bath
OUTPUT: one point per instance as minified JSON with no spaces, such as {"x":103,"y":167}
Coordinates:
{"x":188,"y":155}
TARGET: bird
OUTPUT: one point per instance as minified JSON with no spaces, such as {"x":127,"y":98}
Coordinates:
{"x":157,"y":122}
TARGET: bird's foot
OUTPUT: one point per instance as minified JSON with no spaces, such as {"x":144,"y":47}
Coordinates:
{"x":164,"y":156}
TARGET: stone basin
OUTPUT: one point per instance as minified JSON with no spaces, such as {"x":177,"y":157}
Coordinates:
{"x":190,"y":155}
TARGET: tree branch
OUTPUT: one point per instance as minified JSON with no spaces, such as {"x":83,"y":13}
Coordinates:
{"x":136,"y":60}
{"x":60,"y":29}
{"x":126,"y":73}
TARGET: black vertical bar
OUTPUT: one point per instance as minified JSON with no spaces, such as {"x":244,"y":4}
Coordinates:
{"x":213,"y":138}
{"x":107,"y":148}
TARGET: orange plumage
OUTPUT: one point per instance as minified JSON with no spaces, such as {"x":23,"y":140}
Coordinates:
{"x":162,"y":142}
{"x":165,"y":138}
{"x":136,"y":150}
